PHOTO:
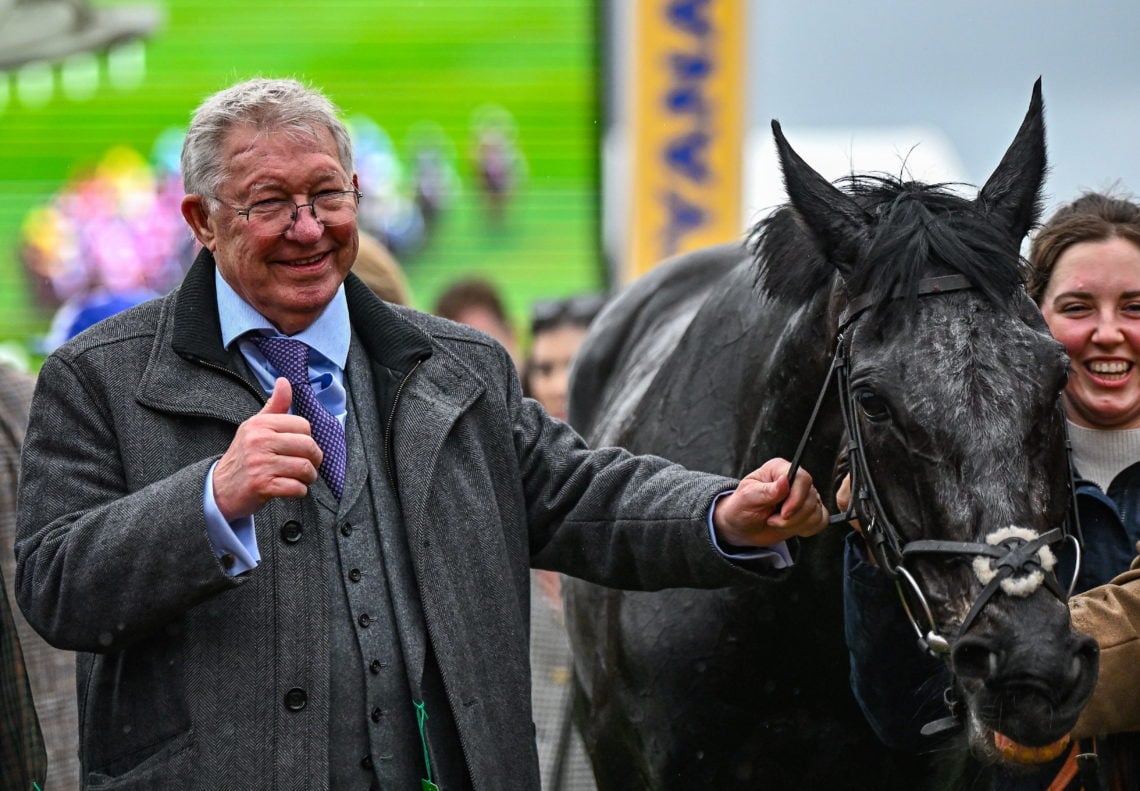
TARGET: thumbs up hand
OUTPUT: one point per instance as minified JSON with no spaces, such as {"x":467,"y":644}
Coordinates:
{"x":273,"y":454}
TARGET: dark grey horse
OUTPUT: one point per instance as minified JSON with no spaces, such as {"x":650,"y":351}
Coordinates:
{"x":714,"y":360}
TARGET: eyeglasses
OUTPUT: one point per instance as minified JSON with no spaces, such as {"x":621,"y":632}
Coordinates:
{"x":275,"y":217}
{"x":579,"y":310}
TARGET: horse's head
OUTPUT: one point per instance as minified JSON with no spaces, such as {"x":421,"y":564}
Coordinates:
{"x":950,"y":382}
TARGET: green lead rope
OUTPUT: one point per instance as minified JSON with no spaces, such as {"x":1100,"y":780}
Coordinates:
{"x":421,"y":718}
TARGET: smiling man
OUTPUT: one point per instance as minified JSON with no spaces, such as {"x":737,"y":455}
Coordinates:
{"x":289,"y":526}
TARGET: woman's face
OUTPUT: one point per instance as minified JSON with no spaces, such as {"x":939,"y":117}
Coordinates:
{"x":1092,"y":306}
{"x":548,"y":372}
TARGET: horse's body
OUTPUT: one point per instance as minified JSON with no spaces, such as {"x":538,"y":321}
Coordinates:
{"x":715,"y":363}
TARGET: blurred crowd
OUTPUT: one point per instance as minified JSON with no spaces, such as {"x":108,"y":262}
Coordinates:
{"x":113,"y":236}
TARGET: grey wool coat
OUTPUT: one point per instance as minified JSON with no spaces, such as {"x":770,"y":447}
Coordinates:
{"x":184,"y":668}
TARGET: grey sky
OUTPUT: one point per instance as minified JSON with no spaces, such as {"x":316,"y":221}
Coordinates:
{"x":965,"y":67}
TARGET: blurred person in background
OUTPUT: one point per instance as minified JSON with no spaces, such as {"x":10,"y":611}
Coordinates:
{"x":23,"y":759}
{"x":476,"y":302}
{"x":557,"y":329}
{"x":380,"y":271}
{"x":30,"y":743}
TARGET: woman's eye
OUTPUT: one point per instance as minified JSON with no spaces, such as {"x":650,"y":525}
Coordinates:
{"x":1073,"y":309}
{"x":873,"y":406}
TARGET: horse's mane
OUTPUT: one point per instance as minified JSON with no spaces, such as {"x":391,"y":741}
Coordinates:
{"x":916,"y":230}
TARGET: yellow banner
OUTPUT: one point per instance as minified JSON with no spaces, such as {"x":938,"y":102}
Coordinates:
{"x":687,"y":128}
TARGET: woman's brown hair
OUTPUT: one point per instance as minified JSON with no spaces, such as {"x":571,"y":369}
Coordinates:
{"x":1093,"y":217}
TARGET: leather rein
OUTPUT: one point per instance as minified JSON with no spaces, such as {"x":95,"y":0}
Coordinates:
{"x":1013,"y":554}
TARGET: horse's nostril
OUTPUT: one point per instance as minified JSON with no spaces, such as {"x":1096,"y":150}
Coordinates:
{"x":973,"y":658}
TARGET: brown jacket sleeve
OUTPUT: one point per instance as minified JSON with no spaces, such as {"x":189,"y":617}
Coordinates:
{"x":1111,"y":614}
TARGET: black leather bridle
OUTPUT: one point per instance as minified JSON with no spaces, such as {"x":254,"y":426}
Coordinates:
{"x":1011,"y":556}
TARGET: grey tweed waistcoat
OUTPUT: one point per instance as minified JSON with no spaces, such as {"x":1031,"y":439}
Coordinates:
{"x":378,"y":641}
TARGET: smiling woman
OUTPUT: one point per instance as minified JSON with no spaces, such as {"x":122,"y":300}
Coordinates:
{"x":1087,"y":262}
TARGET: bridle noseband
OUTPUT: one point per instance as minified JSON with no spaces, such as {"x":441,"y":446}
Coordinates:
{"x":1015,"y":555}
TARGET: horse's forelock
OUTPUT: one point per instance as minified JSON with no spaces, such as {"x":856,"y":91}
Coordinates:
{"x":924,"y":230}
{"x":919,"y":230}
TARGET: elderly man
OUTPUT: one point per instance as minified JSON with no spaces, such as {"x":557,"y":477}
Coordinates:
{"x":289,"y":526}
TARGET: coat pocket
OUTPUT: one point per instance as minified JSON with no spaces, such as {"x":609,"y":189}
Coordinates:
{"x":171,"y":763}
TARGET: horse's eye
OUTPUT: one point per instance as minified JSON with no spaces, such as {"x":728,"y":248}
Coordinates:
{"x":873,"y":406}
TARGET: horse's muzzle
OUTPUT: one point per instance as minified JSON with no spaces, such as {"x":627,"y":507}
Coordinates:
{"x":1030,"y":691}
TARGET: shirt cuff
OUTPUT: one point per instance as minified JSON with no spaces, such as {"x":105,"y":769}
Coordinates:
{"x":234,"y":543}
{"x":777,"y":554}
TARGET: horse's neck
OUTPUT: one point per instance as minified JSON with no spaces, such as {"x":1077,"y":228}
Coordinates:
{"x":798,"y":344}
{"x":745,"y":366}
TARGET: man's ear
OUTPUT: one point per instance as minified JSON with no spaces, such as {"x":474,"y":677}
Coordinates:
{"x":197,"y":216}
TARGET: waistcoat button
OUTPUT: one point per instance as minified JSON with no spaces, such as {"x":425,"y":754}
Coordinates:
{"x":366,"y":762}
{"x":365,"y":620}
{"x":354,"y":575}
{"x":375,"y":667}
{"x":295,"y":699}
{"x":291,"y":531}
{"x":376,"y":715}
{"x":346,"y":529}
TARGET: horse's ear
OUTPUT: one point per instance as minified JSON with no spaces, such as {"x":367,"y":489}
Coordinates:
{"x":1013,"y":192}
{"x":834,"y":219}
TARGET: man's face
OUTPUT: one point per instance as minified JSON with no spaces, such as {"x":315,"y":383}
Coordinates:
{"x":291,"y":277}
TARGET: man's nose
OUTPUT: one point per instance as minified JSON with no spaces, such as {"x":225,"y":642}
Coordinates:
{"x":306,"y":228}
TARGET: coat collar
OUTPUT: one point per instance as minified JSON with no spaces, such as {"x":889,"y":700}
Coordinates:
{"x":387,"y":339}
{"x":190,"y":372}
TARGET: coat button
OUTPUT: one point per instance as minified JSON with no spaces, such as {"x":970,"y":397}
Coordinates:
{"x":377,"y":714}
{"x":364,"y":620}
{"x":354,"y":575}
{"x":375,"y":667}
{"x":366,"y":762}
{"x":346,"y":529}
{"x":295,"y":699}
{"x":291,"y":531}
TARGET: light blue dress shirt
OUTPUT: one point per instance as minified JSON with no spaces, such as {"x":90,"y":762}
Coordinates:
{"x":328,"y":337}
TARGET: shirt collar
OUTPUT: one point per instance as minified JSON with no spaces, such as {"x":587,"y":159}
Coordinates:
{"x":329,"y":335}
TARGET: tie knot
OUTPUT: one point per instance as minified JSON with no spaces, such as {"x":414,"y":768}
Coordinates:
{"x":290,"y":357}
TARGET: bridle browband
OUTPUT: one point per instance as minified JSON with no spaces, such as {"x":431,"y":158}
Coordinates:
{"x":1017,"y":555}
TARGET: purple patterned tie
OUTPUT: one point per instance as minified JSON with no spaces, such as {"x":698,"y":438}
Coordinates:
{"x":291,"y":359}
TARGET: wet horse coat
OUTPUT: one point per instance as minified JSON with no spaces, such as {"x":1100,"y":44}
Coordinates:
{"x":714,"y":360}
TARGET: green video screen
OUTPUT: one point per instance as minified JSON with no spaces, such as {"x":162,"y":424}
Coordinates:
{"x":89,"y":189}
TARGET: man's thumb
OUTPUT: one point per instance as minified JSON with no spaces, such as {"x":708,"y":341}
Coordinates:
{"x":280,"y":399}
{"x":773,"y":491}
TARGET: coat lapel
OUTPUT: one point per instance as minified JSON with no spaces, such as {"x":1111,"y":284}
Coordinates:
{"x":433,"y":399}
{"x":189,"y":372}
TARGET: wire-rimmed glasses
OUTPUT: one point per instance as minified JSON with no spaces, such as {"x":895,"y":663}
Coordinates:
{"x":275,"y":217}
